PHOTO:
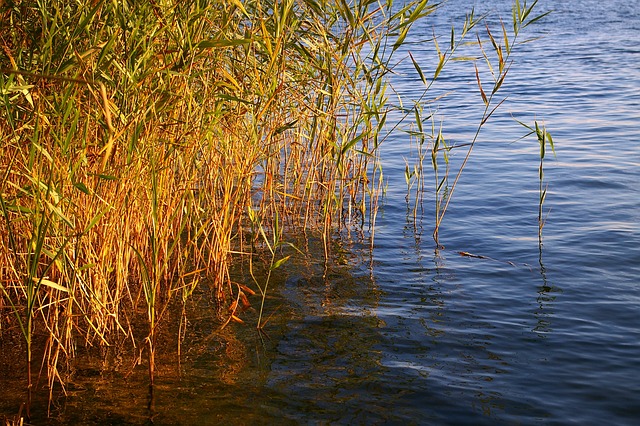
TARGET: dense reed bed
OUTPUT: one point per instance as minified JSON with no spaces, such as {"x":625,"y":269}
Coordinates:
{"x":146,"y":146}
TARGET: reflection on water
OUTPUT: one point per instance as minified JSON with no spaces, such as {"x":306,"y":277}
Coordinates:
{"x":521,"y":335}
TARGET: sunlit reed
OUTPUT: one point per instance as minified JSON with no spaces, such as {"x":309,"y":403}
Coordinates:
{"x":145,"y":145}
{"x":148,"y":145}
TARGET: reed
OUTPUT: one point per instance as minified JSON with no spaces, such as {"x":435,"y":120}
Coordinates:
{"x":544,"y":138}
{"x":146,"y":146}
{"x":495,"y":53}
{"x":142,"y":141}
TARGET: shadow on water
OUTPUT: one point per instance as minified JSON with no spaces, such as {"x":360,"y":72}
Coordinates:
{"x":341,"y":347}
{"x":316,"y":360}
{"x":426,"y":339}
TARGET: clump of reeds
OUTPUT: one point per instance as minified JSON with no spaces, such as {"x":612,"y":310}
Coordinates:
{"x":495,"y":48}
{"x":145,"y":144}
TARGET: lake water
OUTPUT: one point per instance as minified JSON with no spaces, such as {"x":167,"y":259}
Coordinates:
{"x":410,"y":335}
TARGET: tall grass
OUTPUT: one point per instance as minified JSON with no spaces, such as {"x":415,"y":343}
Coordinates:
{"x":142,"y":140}
{"x":148,"y":145}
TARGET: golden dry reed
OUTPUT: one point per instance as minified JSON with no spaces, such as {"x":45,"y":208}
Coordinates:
{"x":145,"y":145}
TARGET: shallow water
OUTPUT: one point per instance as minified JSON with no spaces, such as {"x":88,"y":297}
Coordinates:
{"x":528,"y":334}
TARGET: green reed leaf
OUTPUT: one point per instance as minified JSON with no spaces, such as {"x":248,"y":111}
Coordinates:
{"x":82,"y":187}
{"x":419,"y":70}
{"x":279,"y":263}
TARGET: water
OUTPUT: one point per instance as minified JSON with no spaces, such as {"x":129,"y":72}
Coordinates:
{"x":525,"y":335}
